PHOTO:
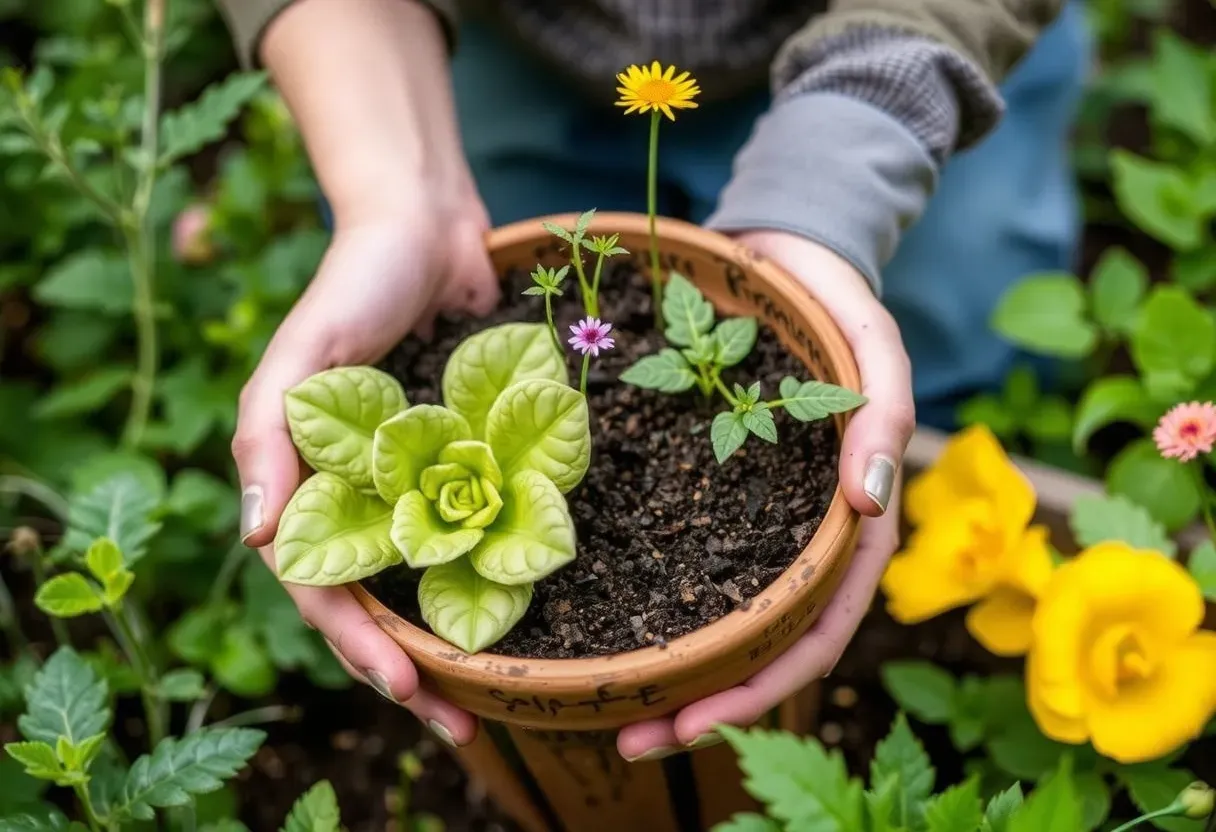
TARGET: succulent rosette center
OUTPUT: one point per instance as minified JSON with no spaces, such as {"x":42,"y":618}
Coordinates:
{"x":464,"y":492}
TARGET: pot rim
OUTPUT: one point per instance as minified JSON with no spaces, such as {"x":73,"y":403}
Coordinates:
{"x":723,"y":636}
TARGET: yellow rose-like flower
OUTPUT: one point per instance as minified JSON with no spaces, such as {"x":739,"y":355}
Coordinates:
{"x":973,"y":542}
{"x":1118,"y":657}
{"x":644,"y":89}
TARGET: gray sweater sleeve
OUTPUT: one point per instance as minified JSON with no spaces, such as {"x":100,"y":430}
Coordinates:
{"x":848,"y":154}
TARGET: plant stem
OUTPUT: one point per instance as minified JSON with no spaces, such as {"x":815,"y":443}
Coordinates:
{"x":57,"y":626}
{"x":120,"y":625}
{"x":36,"y":491}
{"x":582,"y":381}
{"x":198,"y":713}
{"x":1169,"y":811}
{"x":552,"y":327}
{"x":257,"y":716}
{"x":54,"y":151}
{"x":140,"y":244}
{"x":86,"y":800}
{"x":594,"y":306}
{"x":576,"y":259}
{"x":652,"y":208}
{"x":228,"y":570}
{"x":726,"y":394}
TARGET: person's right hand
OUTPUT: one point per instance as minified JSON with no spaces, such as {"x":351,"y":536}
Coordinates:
{"x":383,"y":276}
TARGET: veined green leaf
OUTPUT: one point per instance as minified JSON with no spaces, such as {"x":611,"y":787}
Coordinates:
{"x":205,"y":120}
{"x":727,"y":433}
{"x":532,"y":537}
{"x":955,"y":810}
{"x":1047,"y":313}
{"x":734,"y":338}
{"x":759,"y":420}
{"x":119,"y":508}
{"x":666,"y":371}
{"x":541,"y":425}
{"x":423,"y":538}
{"x":468,"y":610}
{"x":808,"y":401}
{"x":67,"y":596}
{"x":408,"y":443}
{"x":66,"y":699}
{"x":1101,"y":518}
{"x":315,"y":811}
{"x":902,"y":757}
{"x":1001,"y":808}
{"x":687,"y":313}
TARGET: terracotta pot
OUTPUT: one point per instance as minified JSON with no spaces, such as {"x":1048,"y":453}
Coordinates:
{"x":544,"y":701}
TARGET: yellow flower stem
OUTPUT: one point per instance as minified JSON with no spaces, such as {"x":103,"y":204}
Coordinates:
{"x":582,"y":381}
{"x":652,"y":207}
{"x":1173,"y":810}
{"x":594,"y":305}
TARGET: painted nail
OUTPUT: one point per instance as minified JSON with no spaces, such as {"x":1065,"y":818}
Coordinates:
{"x":654,"y":754}
{"x":706,"y":740}
{"x":378,"y":681}
{"x":252,"y":514}
{"x":444,"y":735}
{"x":880,"y":479}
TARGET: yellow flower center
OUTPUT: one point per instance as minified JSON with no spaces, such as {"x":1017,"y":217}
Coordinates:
{"x":657,"y":91}
{"x":1120,"y":658}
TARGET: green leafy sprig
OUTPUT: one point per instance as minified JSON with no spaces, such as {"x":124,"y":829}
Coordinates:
{"x":548,"y":283}
{"x":603,"y":247}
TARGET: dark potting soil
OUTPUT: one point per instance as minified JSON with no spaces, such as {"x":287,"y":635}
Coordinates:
{"x":668,"y":539}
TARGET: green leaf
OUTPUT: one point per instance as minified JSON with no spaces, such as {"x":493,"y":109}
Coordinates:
{"x":987,"y":409}
{"x":196,"y":636}
{"x":1163,"y":486}
{"x":1001,"y":808}
{"x":727,"y":433}
{"x":410,"y":442}
{"x":90,"y":280}
{"x":1054,"y":807}
{"x":205,"y":120}
{"x":40,"y":761}
{"x":957,"y":809}
{"x":1174,"y":334}
{"x":1051,"y":421}
{"x":104,"y":559}
{"x":1111,"y":399}
{"x":315,"y":811}
{"x":468,"y":610}
{"x":179,"y":768}
{"x":807,"y":401}
{"x":557,"y":231}
{"x":747,"y":822}
{"x":532,"y":537}
{"x":489,"y":362}
{"x":119,"y":508}
{"x":423,"y":538}
{"x":902,"y":757}
{"x":1157,"y":197}
{"x":687,"y":313}
{"x":759,"y":420}
{"x":332,"y":533}
{"x":1194,"y":270}
{"x":241,"y":664}
{"x":1046,"y":314}
{"x":1094,"y":796}
{"x":1182,"y":87}
{"x":68,"y":596}
{"x":1096,"y":519}
{"x":46,"y":820}
{"x":88,"y":394}
{"x":800,"y":784}
{"x":208,"y":503}
{"x":333,"y":416}
{"x":1202,"y":565}
{"x":1154,"y":786}
{"x":541,"y":425}
{"x":922,"y":689}
{"x":734,"y":338}
{"x":66,"y":699}
{"x":182,"y":685}
{"x":666,"y":371}
{"x":1117,"y":286}
{"x":584,"y":220}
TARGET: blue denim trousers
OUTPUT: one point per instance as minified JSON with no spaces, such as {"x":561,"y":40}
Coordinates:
{"x":1003,"y":209}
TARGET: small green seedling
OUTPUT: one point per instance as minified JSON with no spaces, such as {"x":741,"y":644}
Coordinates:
{"x":705,"y":350}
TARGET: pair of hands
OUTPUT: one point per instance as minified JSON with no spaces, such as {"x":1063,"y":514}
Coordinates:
{"x":385,"y":276}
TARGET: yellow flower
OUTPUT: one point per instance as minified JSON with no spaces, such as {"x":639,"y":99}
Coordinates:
{"x":973,"y":543}
{"x":1118,"y":657}
{"x":651,"y":88}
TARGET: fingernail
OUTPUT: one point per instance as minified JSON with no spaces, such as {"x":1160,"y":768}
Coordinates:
{"x":252,"y":515}
{"x":440,"y":730}
{"x":378,"y":681}
{"x":880,"y":479}
{"x":654,"y":754}
{"x":706,"y":740}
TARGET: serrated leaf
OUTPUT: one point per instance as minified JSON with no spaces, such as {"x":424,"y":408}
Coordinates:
{"x":734,"y":338}
{"x":1053,"y":807}
{"x":808,"y":401}
{"x":66,"y":699}
{"x":489,"y":362}
{"x":90,"y":280}
{"x":87,"y":394}
{"x":205,"y":120}
{"x":584,"y":220}
{"x":333,"y":416}
{"x":177,"y":769}
{"x":48,"y":820}
{"x":686,"y":311}
{"x":800,"y":784}
{"x":747,"y":822}
{"x":408,"y":443}
{"x":1202,"y":566}
{"x":182,"y":685}
{"x":1117,"y":286}
{"x":759,"y":420}
{"x":1173,"y":333}
{"x":423,"y":538}
{"x":331,"y":533}
{"x":1001,"y":808}
{"x":666,"y":371}
{"x":1111,"y":399}
{"x":1095,"y":519}
{"x":41,"y":761}
{"x":78,"y":758}
{"x":901,"y":756}
{"x":557,"y":231}
{"x":727,"y":433}
{"x":119,"y":508}
{"x":922,"y":689}
{"x":541,"y":425}
{"x":315,"y":811}
{"x":67,"y":596}
{"x":532,"y":537}
{"x":957,"y":809}
{"x":1046,"y":313}
{"x":468,"y":610}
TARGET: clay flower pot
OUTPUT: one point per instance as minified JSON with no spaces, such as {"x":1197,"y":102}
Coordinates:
{"x":542,"y":701}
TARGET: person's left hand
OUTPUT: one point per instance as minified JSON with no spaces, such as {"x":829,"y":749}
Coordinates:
{"x":871,"y":452}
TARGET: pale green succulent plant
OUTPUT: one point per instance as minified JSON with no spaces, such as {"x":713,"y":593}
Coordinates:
{"x":473,"y":491}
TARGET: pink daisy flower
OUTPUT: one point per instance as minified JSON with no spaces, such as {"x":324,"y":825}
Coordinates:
{"x":591,"y":336}
{"x":1186,"y":431}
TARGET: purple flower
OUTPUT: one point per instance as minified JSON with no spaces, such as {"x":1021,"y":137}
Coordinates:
{"x":591,"y":336}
